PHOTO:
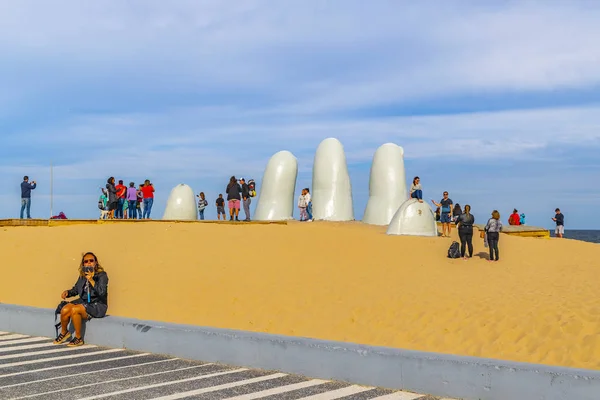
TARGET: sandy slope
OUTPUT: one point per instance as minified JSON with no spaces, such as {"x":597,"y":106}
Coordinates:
{"x":347,"y":282}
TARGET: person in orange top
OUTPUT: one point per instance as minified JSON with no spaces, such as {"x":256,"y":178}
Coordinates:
{"x":515,"y":218}
{"x":148,"y":192}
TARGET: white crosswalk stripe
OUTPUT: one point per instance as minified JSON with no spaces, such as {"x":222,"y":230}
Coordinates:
{"x":70,"y":376}
{"x":24,"y":347}
{"x":9,"y":337}
{"x":219,"y":387}
{"x":277,"y":390}
{"x":107,"y":382}
{"x":398,"y":396}
{"x":21,"y":341}
{"x":336,"y":394}
{"x":42,"y":352}
{"x":156,"y":385}
{"x":43,"y":360}
{"x":47,"y":372}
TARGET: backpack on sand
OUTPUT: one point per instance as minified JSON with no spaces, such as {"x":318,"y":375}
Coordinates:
{"x":251,"y":188}
{"x":454,"y":250}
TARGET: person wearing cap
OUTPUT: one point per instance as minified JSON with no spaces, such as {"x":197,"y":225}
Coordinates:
{"x":246,"y":198}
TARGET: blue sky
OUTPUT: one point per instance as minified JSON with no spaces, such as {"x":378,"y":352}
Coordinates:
{"x":497,"y":102}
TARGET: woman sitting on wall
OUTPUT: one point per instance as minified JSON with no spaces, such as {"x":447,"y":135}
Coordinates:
{"x":92,"y":289}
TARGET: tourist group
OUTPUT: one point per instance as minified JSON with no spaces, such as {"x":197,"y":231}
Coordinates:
{"x":448,"y":213}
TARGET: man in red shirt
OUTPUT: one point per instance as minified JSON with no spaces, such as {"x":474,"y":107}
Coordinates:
{"x":148,"y":191}
{"x":121,"y":191}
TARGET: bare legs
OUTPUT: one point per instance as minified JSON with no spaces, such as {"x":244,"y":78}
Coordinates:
{"x":446,"y":227}
{"x":74,"y":313}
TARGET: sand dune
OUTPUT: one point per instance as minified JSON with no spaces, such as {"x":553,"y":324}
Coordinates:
{"x":339,"y":281}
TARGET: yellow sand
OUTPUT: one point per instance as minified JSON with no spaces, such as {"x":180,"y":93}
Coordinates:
{"x":347,"y":282}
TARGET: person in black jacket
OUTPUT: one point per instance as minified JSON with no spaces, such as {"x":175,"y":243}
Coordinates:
{"x":112,"y":197}
{"x":92,"y":289}
{"x":234,"y":197}
{"x":465,"y":231}
{"x":246,"y":200}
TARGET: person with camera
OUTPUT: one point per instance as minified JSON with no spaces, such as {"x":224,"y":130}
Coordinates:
{"x":148,"y":192}
{"x":26,"y":189}
{"x":92,"y":289}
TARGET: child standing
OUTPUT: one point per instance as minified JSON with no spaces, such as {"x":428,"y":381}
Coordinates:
{"x":202,"y":203}
{"x":220,"y":207}
{"x":302,"y":204}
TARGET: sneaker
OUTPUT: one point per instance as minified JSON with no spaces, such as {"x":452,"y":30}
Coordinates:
{"x":76,"y":342}
{"x":61,"y":338}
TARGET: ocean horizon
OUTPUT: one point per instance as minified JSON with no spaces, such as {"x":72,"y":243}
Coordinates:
{"x":586,"y":235}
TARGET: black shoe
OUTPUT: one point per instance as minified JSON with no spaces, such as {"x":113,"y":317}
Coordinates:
{"x":76,"y":342}
{"x":237,"y":219}
{"x":63,"y":337}
{"x":231,"y":218}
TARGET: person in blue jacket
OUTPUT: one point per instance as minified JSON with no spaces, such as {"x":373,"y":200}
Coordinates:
{"x":26,"y":189}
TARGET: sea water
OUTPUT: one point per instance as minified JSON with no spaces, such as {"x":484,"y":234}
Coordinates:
{"x":592,"y":236}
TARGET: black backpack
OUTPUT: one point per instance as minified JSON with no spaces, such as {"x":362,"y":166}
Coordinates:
{"x":454,"y":250}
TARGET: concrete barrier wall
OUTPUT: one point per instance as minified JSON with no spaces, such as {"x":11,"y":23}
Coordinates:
{"x":437,"y":374}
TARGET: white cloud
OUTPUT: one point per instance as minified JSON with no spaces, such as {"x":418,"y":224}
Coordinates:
{"x":309,"y":57}
{"x":200,"y":89}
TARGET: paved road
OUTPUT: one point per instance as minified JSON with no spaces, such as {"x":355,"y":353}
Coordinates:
{"x":34,"y":368}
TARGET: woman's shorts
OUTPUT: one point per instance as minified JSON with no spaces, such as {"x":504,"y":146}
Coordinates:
{"x":234,"y":204}
{"x":112,"y":206}
{"x":95,"y":310}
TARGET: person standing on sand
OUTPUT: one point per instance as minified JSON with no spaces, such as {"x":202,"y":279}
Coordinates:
{"x":121,"y":195}
{"x":148,"y":191}
{"x":220,"y":202}
{"x":26,"y":189}
{"x":492,"y":230}
{"x":132,"y":199}
{"x":416,"y":192}
{"x":302,"y":204}
{"x":246,"y":199}
{"x":140,"y":200}
{"x":559,"y":218}
{"x":112,"y":197}
{"x":446,"y":213}
{"x":202,"y":203}
{"x":464,"y":224}
{"x":234,"y":197}
{"x":308,"y":204}
{"x":456,"y":211}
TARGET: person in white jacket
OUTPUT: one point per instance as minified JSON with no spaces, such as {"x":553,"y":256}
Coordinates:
{"x":302,"y":205}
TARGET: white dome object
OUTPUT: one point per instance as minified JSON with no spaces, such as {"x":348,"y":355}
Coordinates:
{"x":276,"y":191}
{"x":387,"y":185}
{"x":413,"y":218}
{"x":181,"y":204}
{"x":331,"y":187}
